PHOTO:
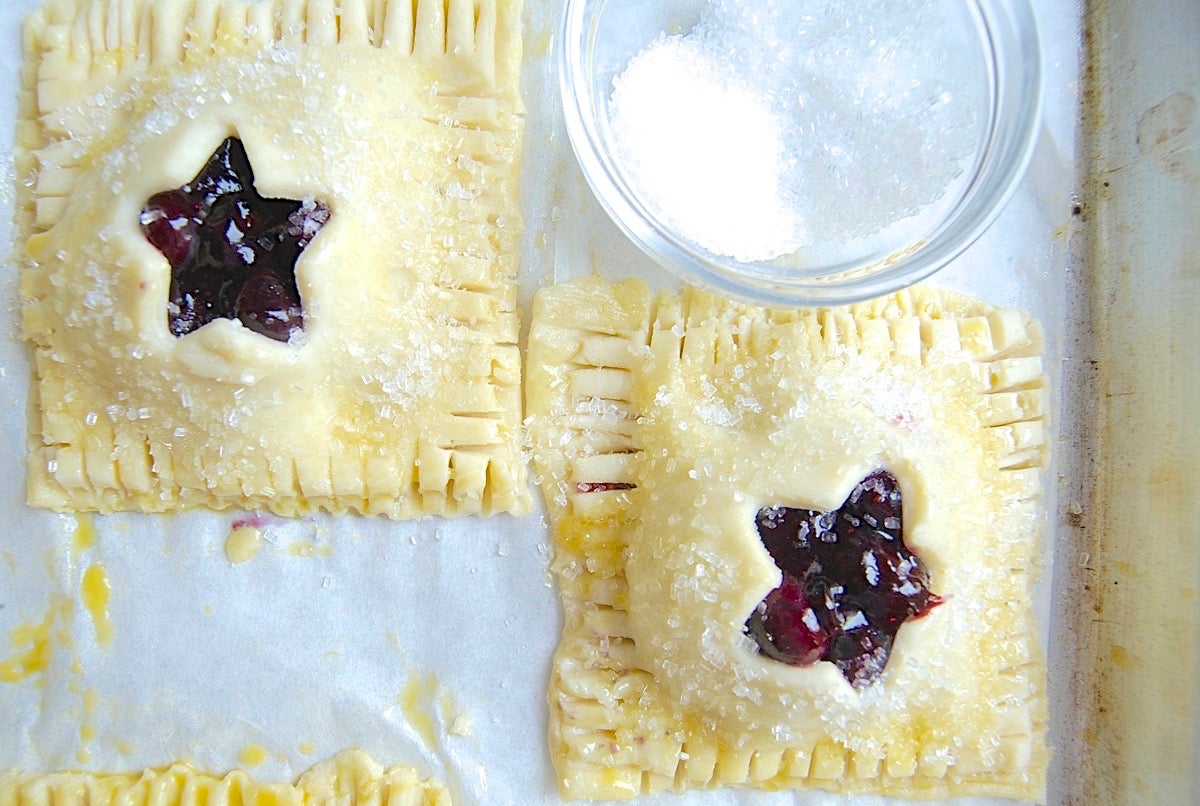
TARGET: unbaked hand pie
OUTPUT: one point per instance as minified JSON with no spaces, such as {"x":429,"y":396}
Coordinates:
{"x":349,"y":777}
{"x":795,"y":548}
{"x":267,"y":255}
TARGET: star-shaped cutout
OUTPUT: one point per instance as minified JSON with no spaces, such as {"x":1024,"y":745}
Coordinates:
{"x":232,"y":252}
{"x":849,"y":582}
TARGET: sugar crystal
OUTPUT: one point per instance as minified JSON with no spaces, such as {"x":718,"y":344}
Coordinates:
{"x":787,"y":127}
{"x":665,"y":130}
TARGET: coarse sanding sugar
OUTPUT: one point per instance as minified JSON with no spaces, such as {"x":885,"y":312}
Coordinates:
{"x":712,"y":176}
{"x":780,"y":126}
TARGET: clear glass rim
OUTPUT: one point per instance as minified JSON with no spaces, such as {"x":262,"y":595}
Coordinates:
{"x":1008,"y":35}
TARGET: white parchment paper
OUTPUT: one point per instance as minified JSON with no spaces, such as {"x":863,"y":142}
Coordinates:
{"x":425,"y":643}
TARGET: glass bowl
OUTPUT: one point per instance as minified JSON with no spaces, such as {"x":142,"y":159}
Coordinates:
{"x":999,"y":95}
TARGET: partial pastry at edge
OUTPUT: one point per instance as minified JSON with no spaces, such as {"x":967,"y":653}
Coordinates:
{"x":349,"y":777}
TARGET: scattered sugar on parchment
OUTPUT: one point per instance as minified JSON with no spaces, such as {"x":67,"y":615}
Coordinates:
{"x":776,"y":126}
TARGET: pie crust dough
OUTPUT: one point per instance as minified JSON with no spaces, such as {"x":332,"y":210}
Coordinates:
{"x":661,"y":425}
{"x":349,"y":777}
{"x":404,"y":117}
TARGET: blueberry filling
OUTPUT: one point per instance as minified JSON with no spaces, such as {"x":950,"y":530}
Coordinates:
{"x":232,"y":252}
{"x":602,"y":486}
{"x":849,"y":582}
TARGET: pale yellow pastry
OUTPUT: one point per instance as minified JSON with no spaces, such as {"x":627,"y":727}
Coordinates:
{"x":664,"y":426}
{"x":394,"y":127}
{"x":349,"y":777}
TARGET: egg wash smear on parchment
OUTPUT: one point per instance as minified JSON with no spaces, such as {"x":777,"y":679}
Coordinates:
{"x":810,"y":131}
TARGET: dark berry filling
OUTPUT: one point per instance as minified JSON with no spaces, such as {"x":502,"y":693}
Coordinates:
{"x":232,"y":253}
{"x":602,"y":486}
{"x":849,"y":582}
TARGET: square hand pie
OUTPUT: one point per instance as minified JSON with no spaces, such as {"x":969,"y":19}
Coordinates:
{"x":349,"y":777}
{"x":795,"y":548}
{"x":268,"y":253}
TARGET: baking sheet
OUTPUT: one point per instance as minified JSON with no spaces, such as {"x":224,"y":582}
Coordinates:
{"x":426,"y":643}
{"x":1137,"y":678}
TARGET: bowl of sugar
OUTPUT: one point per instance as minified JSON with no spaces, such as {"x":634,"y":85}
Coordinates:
{"x":801,"y":152}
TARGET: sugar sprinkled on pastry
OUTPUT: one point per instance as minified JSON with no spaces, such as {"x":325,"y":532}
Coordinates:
{"x":267,"y":255}
{"x":795,"y":548}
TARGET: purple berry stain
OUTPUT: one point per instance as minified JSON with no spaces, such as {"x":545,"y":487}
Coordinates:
{"x":849,"y":582}
{"x":232,"y":252}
